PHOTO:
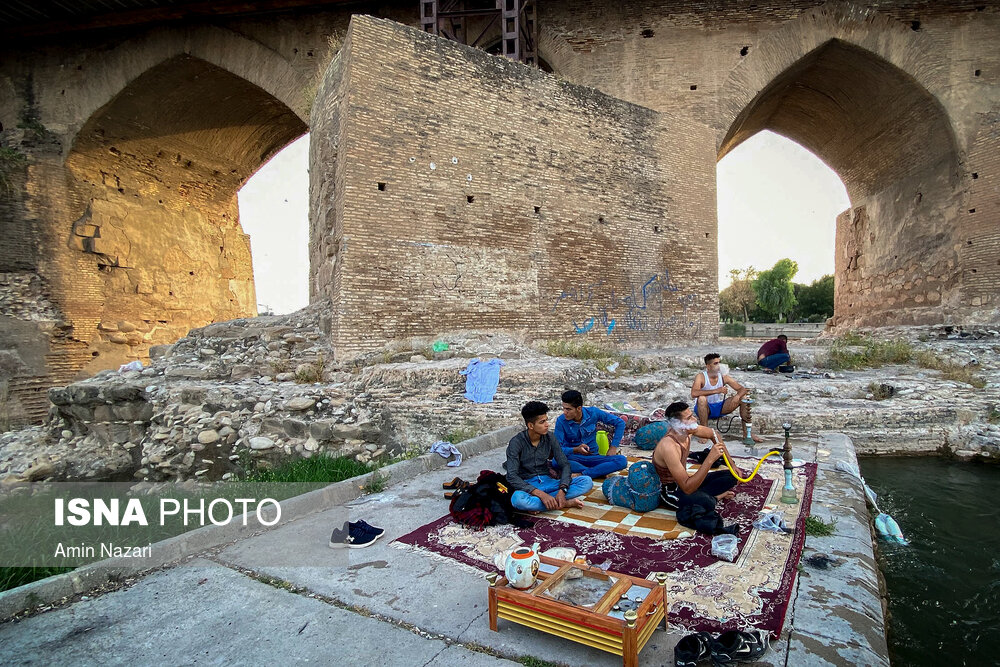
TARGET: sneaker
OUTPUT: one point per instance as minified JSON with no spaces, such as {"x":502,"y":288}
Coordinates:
{"x":736,"y":646}
{"x":353,"y":536}
{"x":379,"y":532}
{"x":692,"y":649}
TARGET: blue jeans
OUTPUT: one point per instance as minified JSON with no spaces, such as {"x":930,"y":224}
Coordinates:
{"x":523,"y":500}
{"x":774,"y":360}
{"x":594,"y":465}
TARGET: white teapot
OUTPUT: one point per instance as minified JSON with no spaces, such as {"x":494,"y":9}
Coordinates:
{"x":522,"y":566}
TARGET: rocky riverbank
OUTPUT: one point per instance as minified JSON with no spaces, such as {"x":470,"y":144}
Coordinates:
{"x":255,"y":392}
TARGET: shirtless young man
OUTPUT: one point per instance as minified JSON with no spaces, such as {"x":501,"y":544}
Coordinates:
{"x":670,"y":456}
{"x":709,"y":393}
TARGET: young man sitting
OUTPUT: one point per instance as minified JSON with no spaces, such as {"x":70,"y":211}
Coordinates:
{"x":576,"y":431}
{"x":709,"y":393}
{"x":528,"y":455}
{"x":670,"y":457}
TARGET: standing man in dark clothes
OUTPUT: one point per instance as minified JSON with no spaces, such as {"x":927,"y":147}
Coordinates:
{"x":528,"y":455}
{"x":774,"y":353}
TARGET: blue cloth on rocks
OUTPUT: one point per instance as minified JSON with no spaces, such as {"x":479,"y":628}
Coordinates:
{"x":482,"y":379}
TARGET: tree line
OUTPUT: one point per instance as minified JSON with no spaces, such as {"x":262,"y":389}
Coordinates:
{"x":771,"y":296}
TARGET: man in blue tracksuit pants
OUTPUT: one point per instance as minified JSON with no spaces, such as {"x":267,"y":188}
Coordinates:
{"x":576,"y":431}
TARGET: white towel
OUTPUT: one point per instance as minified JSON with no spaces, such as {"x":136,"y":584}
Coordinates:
{"x":446,"y":449}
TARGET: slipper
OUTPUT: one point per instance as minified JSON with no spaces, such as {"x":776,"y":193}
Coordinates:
{"x":692,"y":649}
{"x":453,"y":484}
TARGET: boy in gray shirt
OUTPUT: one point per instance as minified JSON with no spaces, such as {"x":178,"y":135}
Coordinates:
{"x":528,"y":455}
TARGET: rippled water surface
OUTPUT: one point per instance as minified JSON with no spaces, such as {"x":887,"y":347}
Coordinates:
{"x":944,"y":588}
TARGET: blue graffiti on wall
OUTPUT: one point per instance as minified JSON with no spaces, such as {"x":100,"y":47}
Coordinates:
{"x":654,"y":305}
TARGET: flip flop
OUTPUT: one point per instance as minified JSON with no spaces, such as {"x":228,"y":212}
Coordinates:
{"x":453,"y":484}
{"x":692,"y":649}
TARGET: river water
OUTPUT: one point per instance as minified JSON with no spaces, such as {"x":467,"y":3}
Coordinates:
{"x":944,"y":588}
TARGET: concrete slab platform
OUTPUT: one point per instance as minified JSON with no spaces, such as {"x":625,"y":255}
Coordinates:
{"x":208,"y":614}
{"x":347,"y":600}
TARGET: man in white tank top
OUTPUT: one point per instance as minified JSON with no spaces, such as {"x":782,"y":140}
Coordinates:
{"x":710,"y":390}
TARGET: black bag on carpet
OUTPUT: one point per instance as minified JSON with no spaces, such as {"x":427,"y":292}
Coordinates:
{"x":486,"y":503}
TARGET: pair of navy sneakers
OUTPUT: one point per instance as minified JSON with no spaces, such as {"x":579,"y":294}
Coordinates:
{"x":355,"y":535}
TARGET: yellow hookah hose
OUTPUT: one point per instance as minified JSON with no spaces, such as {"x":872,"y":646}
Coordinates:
{"x":729,"y":465}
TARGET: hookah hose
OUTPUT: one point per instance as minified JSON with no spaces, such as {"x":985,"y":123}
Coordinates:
{"x":729,"y":464}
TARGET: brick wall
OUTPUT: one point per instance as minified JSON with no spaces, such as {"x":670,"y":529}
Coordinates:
{"x":482,"y":194}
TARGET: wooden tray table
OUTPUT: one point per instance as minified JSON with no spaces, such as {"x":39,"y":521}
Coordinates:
{"x":622,"y":632}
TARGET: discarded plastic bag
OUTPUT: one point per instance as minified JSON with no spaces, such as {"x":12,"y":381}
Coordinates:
{"x":772,"y":522}
{"x":725,"y":547}
{"x":130,"y":366}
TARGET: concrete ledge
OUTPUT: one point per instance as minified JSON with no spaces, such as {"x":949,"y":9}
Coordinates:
{"x":838,"y":616}
{"x":103,"y":573}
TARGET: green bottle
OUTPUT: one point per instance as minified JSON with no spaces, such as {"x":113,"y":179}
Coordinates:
{"x":602,"y":443}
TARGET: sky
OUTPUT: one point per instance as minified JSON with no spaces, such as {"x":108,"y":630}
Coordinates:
{"x":776,"y":200}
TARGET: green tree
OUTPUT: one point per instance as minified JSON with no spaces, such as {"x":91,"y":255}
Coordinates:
{"x":775,"y":294}
{"x":737,"y":300}
{"x":815,"y":301}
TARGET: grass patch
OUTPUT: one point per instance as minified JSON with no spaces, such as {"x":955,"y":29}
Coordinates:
{"x":854,"y":352}
{"x":606,"y":359}
{"x":881,"y":391}
{"x":532,"y":661}
{"x":377,"y":483}
{"x":12,"y":577}
{"x":950,"y":370}
{"x":565,"y":348}
{"x":733,"y":330}
{"x":816,"y":527}
{"x":309,"y":373}
{"x":318,"y":469}
{"x":461,"y":434}
{"x":741,"y":360}
{"x":993,"y":416}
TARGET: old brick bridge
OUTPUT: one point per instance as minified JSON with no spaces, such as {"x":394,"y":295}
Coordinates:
{"x":454,"y":189}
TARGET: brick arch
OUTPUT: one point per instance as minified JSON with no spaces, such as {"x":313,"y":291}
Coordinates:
{"x":868,"y":120}
{"x":851,"y":24}
{"x":153,"y":238}
{"x":113,"y":70}
{"x":860,"y":90}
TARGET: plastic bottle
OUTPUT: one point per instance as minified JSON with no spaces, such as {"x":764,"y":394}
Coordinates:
{"x":602,"y":443}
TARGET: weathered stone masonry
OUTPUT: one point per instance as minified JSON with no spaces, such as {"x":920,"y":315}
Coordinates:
{"x":132,"y":143}
{"x":456,"y":190}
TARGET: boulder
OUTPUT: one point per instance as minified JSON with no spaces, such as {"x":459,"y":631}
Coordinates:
{"x":208,"y":437}
{"x":260,"y":443}
{"x":300,"y":403}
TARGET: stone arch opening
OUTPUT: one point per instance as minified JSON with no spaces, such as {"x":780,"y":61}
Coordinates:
{"x":892,"y":145}
{"x":778,"y":200}
{"x":155,"y":174}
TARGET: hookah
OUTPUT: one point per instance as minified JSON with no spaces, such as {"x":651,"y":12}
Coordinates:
{"x":748,"y":441}
{"x":788,"y":491}
{"x":788,"y":494}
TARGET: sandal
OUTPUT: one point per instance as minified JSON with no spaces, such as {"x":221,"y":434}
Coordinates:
{"x":462,"y":486}
{"x":692,"y":649}
{"x":453,"y":484}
